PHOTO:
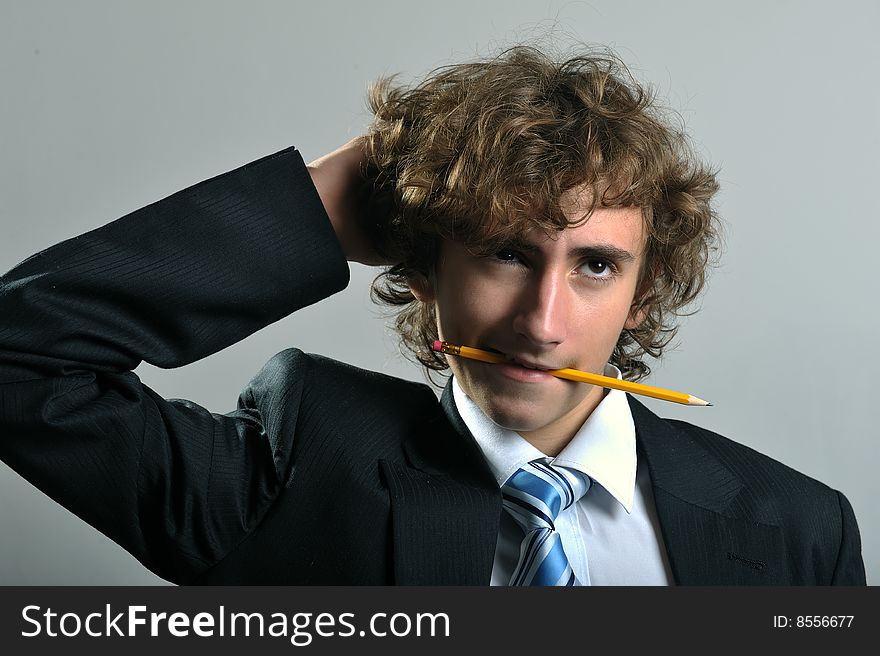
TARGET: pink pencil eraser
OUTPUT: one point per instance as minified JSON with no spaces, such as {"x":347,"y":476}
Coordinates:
{"x":438,"y":345}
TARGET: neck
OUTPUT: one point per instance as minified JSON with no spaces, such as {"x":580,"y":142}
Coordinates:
{"x":553,"y":438}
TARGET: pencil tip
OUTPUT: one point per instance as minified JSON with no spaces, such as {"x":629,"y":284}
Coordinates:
{"x":694,"y":400}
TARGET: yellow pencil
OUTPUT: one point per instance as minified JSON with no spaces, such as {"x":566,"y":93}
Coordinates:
{"x":574,"y":374}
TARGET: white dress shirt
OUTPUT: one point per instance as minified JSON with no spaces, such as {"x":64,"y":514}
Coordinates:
{"x":611,"y":536}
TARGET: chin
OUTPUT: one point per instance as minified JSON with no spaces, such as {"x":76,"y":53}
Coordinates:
{"x":513,"y":420}
{"x":517,"y":413}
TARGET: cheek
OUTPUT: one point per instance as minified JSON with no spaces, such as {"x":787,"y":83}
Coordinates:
{"x":464,"y":321}
{"x":469,"y":305}
{"x":597,"y":325}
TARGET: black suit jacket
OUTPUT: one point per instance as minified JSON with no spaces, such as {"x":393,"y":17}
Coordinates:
{"x":325,"y":473}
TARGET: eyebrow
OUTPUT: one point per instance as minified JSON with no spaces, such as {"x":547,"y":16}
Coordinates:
{"x":597,"y":251}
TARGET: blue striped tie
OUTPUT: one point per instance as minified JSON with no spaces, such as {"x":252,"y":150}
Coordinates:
{"x":534,"y":496}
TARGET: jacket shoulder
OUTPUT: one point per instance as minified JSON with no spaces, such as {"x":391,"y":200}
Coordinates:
{"x":293,"y":364}
{"x":747,"y":462}
{"x":817,"y":520}
{"x":317,"y":394}
{"x":773,"y":491}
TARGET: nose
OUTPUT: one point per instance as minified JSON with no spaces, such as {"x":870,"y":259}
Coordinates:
{"x":543,"y":310}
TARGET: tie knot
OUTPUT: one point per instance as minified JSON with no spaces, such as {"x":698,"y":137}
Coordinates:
{"x":538,"y":492}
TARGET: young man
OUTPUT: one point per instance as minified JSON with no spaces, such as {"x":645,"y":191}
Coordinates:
{"x":535,"y":209}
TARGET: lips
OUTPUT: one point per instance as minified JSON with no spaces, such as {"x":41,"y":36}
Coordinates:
{"x":530,"y":365}
{"x":525,"y":361}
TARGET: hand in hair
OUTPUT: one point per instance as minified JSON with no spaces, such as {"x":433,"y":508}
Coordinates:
{"x":340,"y":183}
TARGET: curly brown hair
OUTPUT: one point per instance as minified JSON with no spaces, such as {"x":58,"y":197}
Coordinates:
{"x":482,"y":152}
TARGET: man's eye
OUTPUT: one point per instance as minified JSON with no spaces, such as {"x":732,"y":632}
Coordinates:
{"x":507,"y":257}
{"x":599,"y":269}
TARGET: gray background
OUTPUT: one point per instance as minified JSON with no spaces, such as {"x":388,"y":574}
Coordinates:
{"x":108,"y":106}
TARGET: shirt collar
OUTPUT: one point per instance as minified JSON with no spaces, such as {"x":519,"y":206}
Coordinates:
{"x":604,"y":448}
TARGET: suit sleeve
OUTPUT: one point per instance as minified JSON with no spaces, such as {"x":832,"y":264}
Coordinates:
{"x":850,"y":568}
{"x":174,"y":282}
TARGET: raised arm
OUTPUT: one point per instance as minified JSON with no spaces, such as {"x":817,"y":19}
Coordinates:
{"x":168,"y":284}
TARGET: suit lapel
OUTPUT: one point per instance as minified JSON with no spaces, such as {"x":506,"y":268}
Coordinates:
{"x":445,"y":505}
{"x":709,"y":539}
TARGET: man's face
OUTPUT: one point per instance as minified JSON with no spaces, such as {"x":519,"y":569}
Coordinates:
{"x":551,"y":303}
